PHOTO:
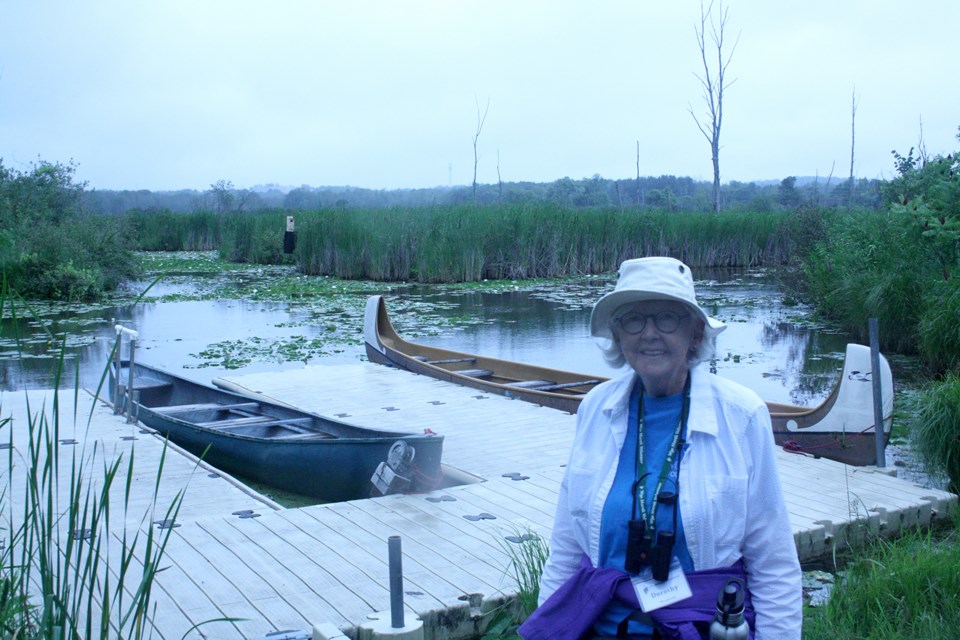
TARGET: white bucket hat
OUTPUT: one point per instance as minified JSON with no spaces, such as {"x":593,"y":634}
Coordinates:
{"x":650,"y":279}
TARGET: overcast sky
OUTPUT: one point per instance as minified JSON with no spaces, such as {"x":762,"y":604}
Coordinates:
{"x":165,"y":94}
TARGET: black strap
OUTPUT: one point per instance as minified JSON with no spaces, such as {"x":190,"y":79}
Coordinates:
{"x":639,"y":616}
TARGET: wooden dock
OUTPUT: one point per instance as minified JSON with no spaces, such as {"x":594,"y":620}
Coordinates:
{"x":291,"y":569}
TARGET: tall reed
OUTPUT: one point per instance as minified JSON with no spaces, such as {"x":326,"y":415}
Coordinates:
{"x":937,"y":429}
{"x":468,"y":243}
{"x":938,"y":329}
{"x":465,"y":243}
{"x":67,"y":571}
{"x":165,"y":230}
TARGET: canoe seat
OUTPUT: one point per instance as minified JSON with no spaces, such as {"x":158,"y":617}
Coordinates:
{"x":451,"y":361}
{"x":254,"y":421}
{"x":140,"y":384}
{"x":530,"y":384}
{"x":567,"y":385}
{"x":312,"y":435}
{"x":183,"y":408}
{"x":236,"y":422}
{"x":475,"y":373}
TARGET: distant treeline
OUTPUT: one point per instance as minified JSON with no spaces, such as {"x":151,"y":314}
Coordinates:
{"x":671,"y":193}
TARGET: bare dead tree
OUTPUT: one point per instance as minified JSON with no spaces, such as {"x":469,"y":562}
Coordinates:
{"x":922,"y":146}
{"x":714,"y":82}
{"x":499,"y":180}
{"x":638,"y":173}
{"x":853,"y":136}
{"x":476,"y":136}
{"x":826,"y":188}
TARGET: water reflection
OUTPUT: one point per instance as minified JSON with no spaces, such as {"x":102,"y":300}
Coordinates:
{"x":768,"y":345}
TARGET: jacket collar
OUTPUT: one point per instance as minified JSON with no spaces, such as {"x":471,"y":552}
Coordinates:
{"x":703,"y":416}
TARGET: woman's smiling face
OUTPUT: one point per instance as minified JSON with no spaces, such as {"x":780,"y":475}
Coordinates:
{"x":659,"y":357}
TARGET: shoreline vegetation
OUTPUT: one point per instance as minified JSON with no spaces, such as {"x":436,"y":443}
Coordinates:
{"x":898,"y":261}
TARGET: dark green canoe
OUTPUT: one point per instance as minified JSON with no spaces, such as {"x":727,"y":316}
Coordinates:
{"x":277,"y":445}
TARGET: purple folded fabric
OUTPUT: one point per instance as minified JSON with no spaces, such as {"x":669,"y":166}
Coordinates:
{"x":570,"y":612}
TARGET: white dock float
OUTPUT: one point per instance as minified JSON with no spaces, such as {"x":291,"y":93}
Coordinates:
{"x":290,"y":569}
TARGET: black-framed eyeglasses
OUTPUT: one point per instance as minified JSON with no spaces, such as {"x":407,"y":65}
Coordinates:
{"x":665,"y":321}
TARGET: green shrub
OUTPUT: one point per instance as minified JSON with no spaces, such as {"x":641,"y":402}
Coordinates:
{"x":63,"y":281}
{"x":49,"y":247}
{"x":897,"y":265}
{"x":871,"y":264}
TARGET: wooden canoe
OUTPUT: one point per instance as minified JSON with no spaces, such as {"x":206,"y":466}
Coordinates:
{"x":840,"y":428}
{"x":277,"y":445}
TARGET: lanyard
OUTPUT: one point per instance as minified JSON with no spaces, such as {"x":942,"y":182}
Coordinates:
{"x":676,"y":444}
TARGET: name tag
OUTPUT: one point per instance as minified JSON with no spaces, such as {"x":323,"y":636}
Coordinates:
{"x":653,"y":595}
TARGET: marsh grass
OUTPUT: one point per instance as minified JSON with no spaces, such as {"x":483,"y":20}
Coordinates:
{"x":467,"y":243}
{"x":937,"y":429}
{"x":938,"y":329}
{"x":67,"y":570}
{"x":164,"y":230}
{"x":901,"y":588}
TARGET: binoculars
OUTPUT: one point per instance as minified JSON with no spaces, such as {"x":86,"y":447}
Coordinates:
{"x":642,"y":552}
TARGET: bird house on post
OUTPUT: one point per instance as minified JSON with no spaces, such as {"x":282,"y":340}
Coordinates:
{"x":289,"y":237}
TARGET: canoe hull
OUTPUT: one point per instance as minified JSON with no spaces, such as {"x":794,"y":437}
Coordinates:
{"x":291,"y":450}
{"x":841,"y":428}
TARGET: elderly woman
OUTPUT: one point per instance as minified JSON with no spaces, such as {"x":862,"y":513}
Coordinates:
{"x":671,"y":487}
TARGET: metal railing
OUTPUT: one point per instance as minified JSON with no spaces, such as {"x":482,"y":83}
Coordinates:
{"x":121,"y":399}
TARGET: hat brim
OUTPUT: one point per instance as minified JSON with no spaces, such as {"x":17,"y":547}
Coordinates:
{"x":605,"y":307}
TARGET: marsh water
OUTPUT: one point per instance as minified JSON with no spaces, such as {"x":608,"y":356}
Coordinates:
{"x":206,"y":325}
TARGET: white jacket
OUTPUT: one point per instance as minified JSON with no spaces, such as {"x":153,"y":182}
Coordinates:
{"x":730,"y":498}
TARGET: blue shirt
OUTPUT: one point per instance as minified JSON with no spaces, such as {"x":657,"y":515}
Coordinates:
{"x":660,"y":418}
